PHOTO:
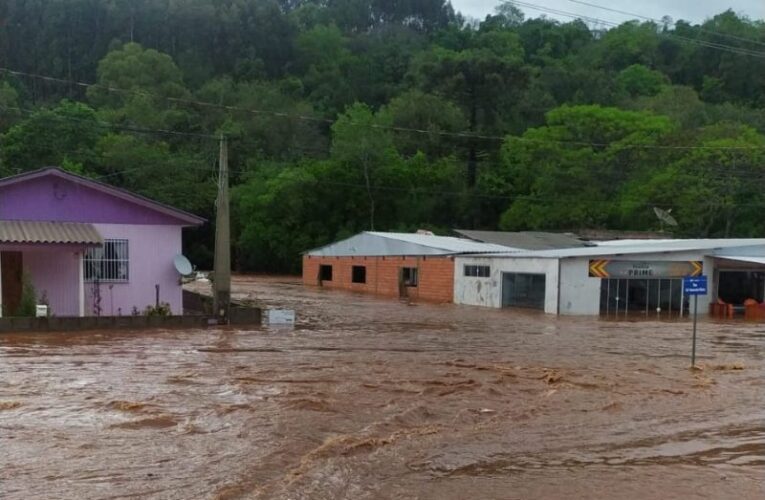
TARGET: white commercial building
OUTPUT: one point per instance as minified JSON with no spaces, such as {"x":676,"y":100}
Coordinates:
{"x":614,"y":277}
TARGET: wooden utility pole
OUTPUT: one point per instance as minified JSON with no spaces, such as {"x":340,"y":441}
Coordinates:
{"x":222,"y":279}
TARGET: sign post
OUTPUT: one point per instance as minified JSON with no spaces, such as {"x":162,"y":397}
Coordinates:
{"x":695,"y":286}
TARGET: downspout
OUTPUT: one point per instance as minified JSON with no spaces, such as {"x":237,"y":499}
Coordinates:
{"x":1,"y":286}
{"x":81,"y":283}
{"x":557,"y":299}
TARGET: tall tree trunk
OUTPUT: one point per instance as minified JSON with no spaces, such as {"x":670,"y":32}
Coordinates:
{"x":368,"y":183}
{"x":472,"y":166}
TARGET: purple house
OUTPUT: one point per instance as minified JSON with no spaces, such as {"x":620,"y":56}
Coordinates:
{"x":78,"y":239}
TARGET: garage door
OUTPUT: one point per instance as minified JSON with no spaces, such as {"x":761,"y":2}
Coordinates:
{"x":523,"y":290}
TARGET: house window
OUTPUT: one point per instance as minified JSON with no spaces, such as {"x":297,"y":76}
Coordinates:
{"x":410,"y":276}
{"x":478,"y":271}
{"x":359,"y":274}
{"x":325,"y":273}
{"x":109,"y":262}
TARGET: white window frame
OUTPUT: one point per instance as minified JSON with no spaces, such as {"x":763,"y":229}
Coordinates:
{"x":116,"y":268}
{"x":477,"y":271}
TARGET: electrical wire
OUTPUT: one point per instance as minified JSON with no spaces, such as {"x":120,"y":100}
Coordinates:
{"x":596,"y":21}
{"x":674,"y":23}
{"x":109,"y":125}
{"x":461,"y":135}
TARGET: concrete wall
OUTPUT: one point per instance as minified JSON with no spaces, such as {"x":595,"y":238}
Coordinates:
{"x":151,"y":249}
{"x":487,"y":292}
{"x":436,"y":275}
{"x":579,"y":294}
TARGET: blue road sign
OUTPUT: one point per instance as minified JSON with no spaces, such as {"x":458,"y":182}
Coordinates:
{"x":695,"y":286}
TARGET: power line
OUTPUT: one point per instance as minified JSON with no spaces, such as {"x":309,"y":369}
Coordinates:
{"x":674,"y":23}
{"x":463,"y":135}
{"x":595,"y":20}
{"x":109,"y":125}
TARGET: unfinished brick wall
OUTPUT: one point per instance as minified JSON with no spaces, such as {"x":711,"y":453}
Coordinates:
{"x":435,"y":283}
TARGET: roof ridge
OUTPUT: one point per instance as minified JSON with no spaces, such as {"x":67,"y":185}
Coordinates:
{"x":122,"y":193}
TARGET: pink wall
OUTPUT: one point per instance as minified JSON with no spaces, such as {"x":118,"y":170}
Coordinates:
{"x":153,"y":233}
{"x":152,"y":249}
{"x":51,"y":198}
{"x":57,"y":273}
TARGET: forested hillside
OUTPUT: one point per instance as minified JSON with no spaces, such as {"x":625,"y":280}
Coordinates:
{"x":348,"y":115}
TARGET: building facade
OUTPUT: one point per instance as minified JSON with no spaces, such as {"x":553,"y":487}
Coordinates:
{"x":88,"y":248}
{"x":417,"y":267}
{"x":630,"y":278}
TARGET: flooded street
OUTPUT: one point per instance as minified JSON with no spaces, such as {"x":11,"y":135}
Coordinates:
{"x":368,"y":398}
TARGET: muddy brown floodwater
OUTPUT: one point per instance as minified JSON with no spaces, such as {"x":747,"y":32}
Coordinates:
{"x":368,"y":398}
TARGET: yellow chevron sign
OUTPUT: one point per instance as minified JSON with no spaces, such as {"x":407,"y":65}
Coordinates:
{"x":698,"y":267}
{"x":598,"y":268}
{"x":636,"y":269}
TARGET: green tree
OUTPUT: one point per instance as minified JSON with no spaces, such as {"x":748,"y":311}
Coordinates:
{"x":66,"y":133}
{"x":433,"y":116}
{"x":713,"y":188}
{"x":9,"y":105}
{"x":323,"y":59}
{"x":483,"y":79}
{"x":570,"y":174}
{"x":637,"y":80}
{"x":139,"y":86}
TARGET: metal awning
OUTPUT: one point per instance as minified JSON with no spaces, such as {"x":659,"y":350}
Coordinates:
{"x":26,"y":232}
{"x":741,"y":258}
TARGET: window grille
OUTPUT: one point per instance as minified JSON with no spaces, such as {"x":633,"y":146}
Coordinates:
{"x":108,"y":263}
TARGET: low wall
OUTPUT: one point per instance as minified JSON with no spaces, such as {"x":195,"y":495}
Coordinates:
{"x":63,"y":324}
{"x":238,"y":316}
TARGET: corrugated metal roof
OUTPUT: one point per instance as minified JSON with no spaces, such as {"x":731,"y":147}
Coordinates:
{"x":377,"y":244}
{"x":527,"y":240}
{"x":740,"y":258}
{"x":15,"y":231}
{"x":623,"y":247}
{"x":448,"y":243}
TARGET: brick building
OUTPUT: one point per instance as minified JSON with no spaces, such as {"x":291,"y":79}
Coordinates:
{"x":418,"y":267}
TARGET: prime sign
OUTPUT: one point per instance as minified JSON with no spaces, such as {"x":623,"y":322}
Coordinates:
{"x":644,"y":268}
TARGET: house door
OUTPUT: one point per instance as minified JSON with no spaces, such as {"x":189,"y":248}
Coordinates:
{"x":403,"y":293}
{"x":11,"y":269}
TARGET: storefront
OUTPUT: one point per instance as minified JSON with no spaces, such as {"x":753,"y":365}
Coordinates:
{"x":629,"y":278}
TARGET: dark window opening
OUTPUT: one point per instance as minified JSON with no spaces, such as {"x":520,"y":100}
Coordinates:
{"x":477,"y":271}
{"x":523,"y":290}
{"x":325,"y":273}
{"x":359,"y":274}
{"x":410,"y":276}
{"x":735,"y":287}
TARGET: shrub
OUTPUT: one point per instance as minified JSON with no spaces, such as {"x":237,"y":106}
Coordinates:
{"x":28,"y":304}
{"x":163,"y":309}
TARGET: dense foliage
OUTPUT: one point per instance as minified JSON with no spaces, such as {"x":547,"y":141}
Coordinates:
{"x":347,"y":115}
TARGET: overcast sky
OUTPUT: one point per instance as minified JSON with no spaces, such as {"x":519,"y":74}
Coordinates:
{"x":690,"y":10}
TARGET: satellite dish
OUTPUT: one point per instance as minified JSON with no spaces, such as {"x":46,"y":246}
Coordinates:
{"x":182,"y":265}
{"x":665,"y":217}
